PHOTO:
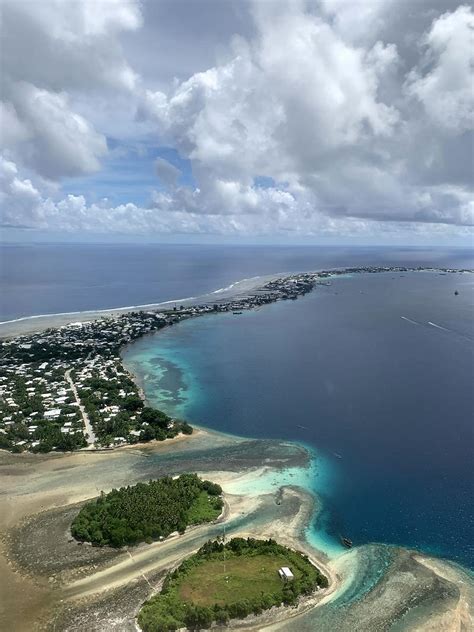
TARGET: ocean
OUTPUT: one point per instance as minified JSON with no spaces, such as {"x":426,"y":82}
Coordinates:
{"x":373,"y":373}
{"x":52,"y":279}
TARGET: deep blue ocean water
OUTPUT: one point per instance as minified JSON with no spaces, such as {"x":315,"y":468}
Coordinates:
{"x":49,"y":279}
{"x":389,"y":401}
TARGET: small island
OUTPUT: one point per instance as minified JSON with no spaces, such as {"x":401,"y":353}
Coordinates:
{"x":224,"y":581}
{"x":148,"y":511}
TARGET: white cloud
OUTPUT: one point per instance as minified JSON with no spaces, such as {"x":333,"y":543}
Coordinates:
{"x":25,"y":206}
{"x":312,"y":121}
{"x":51,"y":50}
{"x":19,"y":199}
{"x":357,"y":21}
{"x":273,"y":107}
{"x":444,"y":83}
{"x":57,"y":142}
{"x":309,"y":115}
{"x":58,"y":45}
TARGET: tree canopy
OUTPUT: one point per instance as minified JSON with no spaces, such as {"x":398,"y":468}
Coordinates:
{"x":147,"y":511}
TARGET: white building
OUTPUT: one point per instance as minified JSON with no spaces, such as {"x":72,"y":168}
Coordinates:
{"x":285,"y":573}
{"x":52,"y":413}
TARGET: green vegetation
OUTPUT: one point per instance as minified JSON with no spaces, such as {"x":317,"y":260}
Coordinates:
{"x":115,"y":408}
{"x":228,"y":581}
{"x":148,"y":511}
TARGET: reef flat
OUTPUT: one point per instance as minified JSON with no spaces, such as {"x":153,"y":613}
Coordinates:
{"x":52,"y":582}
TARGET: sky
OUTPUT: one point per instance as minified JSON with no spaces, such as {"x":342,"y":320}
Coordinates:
{"x":237,"y":121}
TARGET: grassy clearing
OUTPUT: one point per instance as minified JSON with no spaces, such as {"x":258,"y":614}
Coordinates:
{"x":204,"y":509}
{"x":243,"y":578}
{"x":227,"y":581}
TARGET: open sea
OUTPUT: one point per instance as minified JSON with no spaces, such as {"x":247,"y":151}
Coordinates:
{"x":373,"y":373}
{"x":56,"y":278}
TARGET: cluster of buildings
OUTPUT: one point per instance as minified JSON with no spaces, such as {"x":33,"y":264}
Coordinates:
{"x":111,"y":400}
{"x":45,"y":384}
{"x":36,"y":398}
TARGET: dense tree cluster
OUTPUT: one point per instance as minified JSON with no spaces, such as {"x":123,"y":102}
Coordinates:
{"x":147,"y":511}
{"x":167,"y":611}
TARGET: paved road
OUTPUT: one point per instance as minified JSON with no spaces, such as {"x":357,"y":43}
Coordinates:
{"x":89,"y":432}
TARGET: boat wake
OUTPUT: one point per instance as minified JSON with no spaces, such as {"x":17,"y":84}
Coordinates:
{"x":436,"y":326}
{"x":440,"y":327}
{"x":409,"y":320}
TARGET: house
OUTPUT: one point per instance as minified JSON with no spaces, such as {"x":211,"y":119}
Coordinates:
{"x":285,"y":574}
{"x":52,"y":413}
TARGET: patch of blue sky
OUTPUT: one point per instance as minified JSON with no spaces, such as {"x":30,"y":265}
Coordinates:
{"x":128,"y":174}
{"x":264,"y":182}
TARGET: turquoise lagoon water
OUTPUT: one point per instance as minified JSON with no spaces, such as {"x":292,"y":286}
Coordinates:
{"x":372,"y":374}
{"x":167,"y":376}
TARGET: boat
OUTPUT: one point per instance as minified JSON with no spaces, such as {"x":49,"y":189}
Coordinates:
{"x":346,"y":542}
{"x":456,"y":292}
{"x":236,"y":313}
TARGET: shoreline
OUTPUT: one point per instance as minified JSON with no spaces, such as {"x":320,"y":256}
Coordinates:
{"x":30,"y":497}
{"x":45,"y":321}
{"x":25,"y":325}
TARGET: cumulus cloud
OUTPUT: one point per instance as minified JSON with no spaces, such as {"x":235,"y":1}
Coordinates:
{"x":59,"y":45}
{"x":444,"y":83}
{"x":311,"y":116}
{"x":180,"y":212}
{"x":52,"y":50}
{"x":20,"y":200}
{"x":314,"y":119}
{"x":57,"y":142}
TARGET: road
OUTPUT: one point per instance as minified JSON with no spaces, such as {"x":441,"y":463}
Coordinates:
{"x":89,"y":432}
